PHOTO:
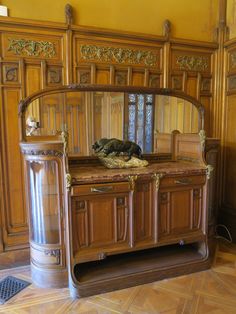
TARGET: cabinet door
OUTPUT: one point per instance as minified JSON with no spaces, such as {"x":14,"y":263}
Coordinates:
{"x":180,"y":212}
{"x":143,"y":211}
{"x":100,"y":221}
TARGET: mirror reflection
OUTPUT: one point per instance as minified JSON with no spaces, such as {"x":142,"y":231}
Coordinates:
{"x":89,"y":116}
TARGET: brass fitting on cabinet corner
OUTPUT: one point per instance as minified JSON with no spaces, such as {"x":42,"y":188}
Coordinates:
{"x":157,"y":178}
{"x":132,"y":180}
{"x":209,"y":169}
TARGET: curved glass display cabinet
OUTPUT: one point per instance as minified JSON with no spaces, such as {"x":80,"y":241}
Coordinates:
{"x":102,"y":229}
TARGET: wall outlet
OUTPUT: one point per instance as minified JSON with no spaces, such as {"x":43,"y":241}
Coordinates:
{"x":3,"y":10}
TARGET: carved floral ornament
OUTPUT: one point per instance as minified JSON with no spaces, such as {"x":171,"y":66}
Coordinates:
{"x":32,"y":48}
{"x":118,"y":55}
{"x":11,"y":73}
{"x":192,"y":63}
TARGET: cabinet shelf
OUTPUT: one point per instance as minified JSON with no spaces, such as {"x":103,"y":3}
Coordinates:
{"x":128,"y":264}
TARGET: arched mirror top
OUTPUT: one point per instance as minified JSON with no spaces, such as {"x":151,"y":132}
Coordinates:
{"x":147,"y":116}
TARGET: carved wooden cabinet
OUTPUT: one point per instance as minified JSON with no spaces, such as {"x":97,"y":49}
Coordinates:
{"x":98,"y":229}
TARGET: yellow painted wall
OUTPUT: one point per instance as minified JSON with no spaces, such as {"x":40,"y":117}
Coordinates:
{"x":231,"y":17}
{"x":191,"y":19}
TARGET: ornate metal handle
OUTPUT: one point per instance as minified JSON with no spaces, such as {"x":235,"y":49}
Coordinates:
{"x":102,"y":189}
{"x":183,"y":181}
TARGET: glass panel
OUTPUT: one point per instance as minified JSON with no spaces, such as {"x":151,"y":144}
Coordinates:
{"x":44,"y":201}
{"x":140,"y":121}
{"x":149,"y":124}
{"x":90,"y":116}
{"x":132,"y":118}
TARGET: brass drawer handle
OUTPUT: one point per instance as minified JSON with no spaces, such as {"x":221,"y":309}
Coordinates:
{"x":102,"y":189}
{"x":183,"y":181}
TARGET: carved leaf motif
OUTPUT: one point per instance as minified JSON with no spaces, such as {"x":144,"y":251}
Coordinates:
{"x":118,"y":55}
{"x":154,"y":81}
{"x":11,"y":74}
{"x":85,"y":78}
{"x":121,"y":78}
{"x":206,"y":85}
{"x":177,"y":82}
{"x":32,"y":48}
{"x":193,"y":63}
{"x":54,"y":76}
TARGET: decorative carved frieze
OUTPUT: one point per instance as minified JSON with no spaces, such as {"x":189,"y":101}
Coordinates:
{"x":54,"y":153}
{"x":232,"y":83}
{"x":54,"y":76}
{"x":118,"y":55}
{"x":192,"y":63}
{"x":32,"y":48}
{"x":11,"y":73}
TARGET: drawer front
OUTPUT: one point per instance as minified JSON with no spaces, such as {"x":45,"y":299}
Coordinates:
{"x":97,"y":189}
{"x":179,"y":181}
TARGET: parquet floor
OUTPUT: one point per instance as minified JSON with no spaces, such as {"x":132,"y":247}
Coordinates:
{"x":208,"y":292}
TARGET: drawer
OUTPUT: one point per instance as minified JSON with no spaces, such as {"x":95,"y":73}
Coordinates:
{"x":95,"y":189}
{"x":182,"y":181}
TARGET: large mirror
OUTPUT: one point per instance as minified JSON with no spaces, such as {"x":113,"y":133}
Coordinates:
{"x":144,"y":118}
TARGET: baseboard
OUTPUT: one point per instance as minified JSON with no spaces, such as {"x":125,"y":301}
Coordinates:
{"x":14,"y":258}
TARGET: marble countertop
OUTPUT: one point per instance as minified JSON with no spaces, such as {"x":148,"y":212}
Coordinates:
{"x":97,"y":173}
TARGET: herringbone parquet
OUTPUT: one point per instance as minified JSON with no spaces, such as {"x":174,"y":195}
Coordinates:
{"x":208,"y":292}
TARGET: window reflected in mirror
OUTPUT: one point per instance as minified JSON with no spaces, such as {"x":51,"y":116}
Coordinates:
{"x":89,"y":116}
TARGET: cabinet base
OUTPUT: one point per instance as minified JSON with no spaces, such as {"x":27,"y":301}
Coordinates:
{"x":131,"y":269}
{"x":49,"y":278}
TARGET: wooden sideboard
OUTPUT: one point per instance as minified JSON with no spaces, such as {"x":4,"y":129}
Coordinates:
{"x":97,"y":229}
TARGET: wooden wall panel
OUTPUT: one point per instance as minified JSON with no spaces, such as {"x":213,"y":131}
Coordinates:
{"x":229,"y":199}
{"x":15,"y":215}
{"x":129,"y":60}
{"x":192,"y":71}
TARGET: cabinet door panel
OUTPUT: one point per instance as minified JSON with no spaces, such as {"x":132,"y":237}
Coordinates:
{"x":179,"y":211}
{"x":180,"y":215}
{"x":101,"y":221}
{"x":143,"y":209}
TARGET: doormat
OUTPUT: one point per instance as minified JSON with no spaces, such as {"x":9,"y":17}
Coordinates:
{"x":10,"y":286}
